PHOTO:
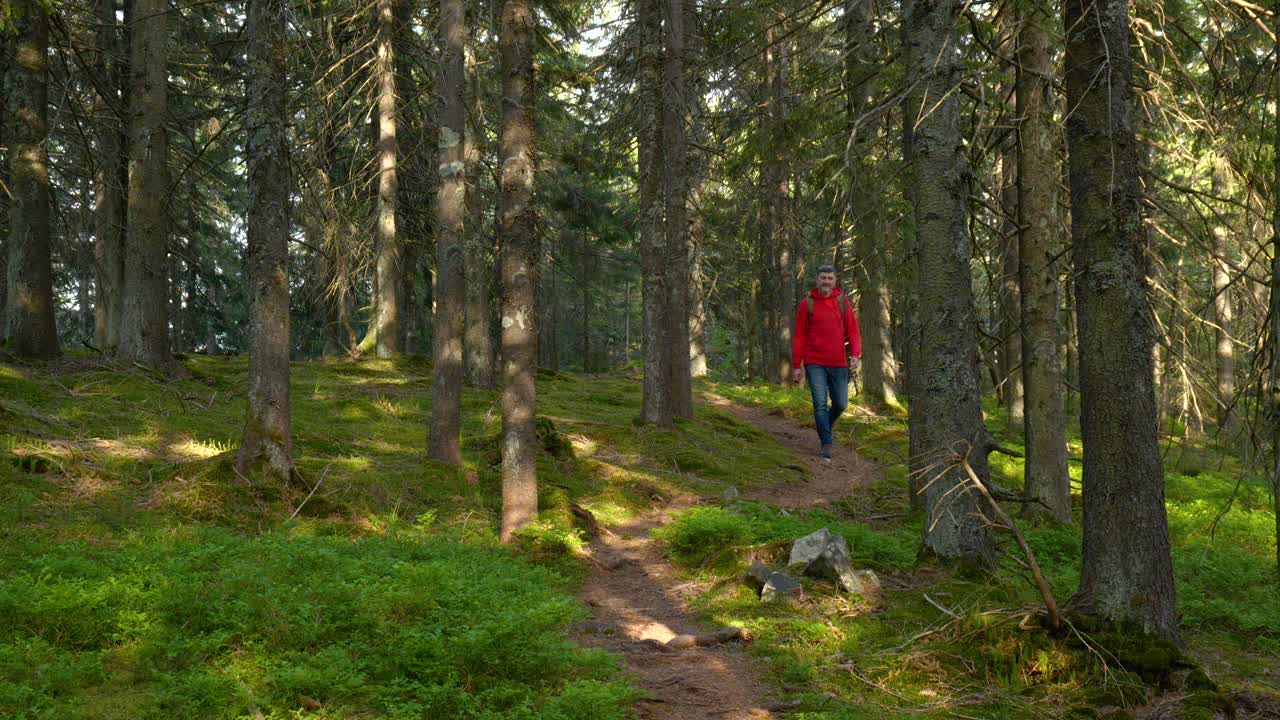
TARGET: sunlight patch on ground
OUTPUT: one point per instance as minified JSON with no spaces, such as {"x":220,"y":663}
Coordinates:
{"x":583,"y":446}
{"x":192,"y":449}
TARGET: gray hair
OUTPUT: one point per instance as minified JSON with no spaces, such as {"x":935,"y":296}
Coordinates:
{"x":827,"y":268}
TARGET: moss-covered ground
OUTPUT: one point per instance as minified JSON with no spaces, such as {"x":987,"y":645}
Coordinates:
{"x":141,"y":578}
{"x":942,"y":645}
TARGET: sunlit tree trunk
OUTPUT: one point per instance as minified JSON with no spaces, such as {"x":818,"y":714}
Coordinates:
{"x":1129,"y":582}
{"x":519,"y":311}
{"x":267,"y":441}
{"x":1046,"y":477}
{"x":144,"y":328}
{"x":30,"y":305}
{"x":451,"y":209}
{"x":388,"y":262}
{"x":950,"y":402}
{"x":1223,"y":312}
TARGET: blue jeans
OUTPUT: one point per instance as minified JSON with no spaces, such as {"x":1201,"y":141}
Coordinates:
{"x":823,"y":382}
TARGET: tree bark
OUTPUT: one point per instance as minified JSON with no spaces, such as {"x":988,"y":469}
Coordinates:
{"x":111,"y":181}
{"x":267,"y":441}
{"x":1224,"y":354}
{"x":30,"y":328}
{"x":388,"y":265}
{"x":675,"y":109}
{"x":451,"y":209}
{"x":908,"y":280}
{"x":479,"y":286}
{"x":1045,"y":474}
{"x":950,"y":402}
{"x":1127,"y":574}
{"x":144,"y":323}
{"x":519,"y":270}
{"x":1012,"y":391}
{"x":656,"y":403}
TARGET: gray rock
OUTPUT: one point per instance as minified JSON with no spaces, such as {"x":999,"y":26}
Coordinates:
{"x":779,"y":586}
{"x":825,"y":556}
{"x":730,"y":495}
{"x":808,"y":548}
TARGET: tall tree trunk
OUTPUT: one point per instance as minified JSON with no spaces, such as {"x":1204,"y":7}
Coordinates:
{"x":30,"y":306}
{"x":656,"y":404}
{"x":1010,"y":292}
{"x":1046,"y":477}
{"x":871,"y":238}
{"x":697,"y":301}
{"x":451,"y":210}
{"x":478,"y":342}
{"x":1224,"y":355}
{"x":519,"y":270}
{"x":112,"y":178}
{"x":1126,"y":581}
{"x":388,"y":264}
{"x":696,"y":164}
{"x":951,"y":409}
{"x":675,"y":109}
{"x":144,"y":323}
{"x":908,"y":280}
{"x":267,"y":441}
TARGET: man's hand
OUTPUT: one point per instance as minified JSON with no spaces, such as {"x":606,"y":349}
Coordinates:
{"x":797,"y":375}
{"x":854,"y":364}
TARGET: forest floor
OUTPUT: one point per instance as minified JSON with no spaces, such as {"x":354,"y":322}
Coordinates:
{"x":141,"y":578}
{"x":639,"y":602}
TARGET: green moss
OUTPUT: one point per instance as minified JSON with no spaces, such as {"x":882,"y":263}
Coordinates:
{"x":1206,"y":705}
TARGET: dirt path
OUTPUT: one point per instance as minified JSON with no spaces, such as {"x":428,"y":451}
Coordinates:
{"x":638,"y":602}
{"x":837,"y":479}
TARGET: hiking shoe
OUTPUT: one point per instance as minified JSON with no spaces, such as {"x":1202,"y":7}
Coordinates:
{"x":826,"y":452}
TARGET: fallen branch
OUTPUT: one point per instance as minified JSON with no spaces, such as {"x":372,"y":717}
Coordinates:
{"x":684,"y":642}
{"x":1041,"y":584}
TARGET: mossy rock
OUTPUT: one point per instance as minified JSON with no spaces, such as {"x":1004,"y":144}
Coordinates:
{"x":552,"y":441}
{"x":1207,"y":705}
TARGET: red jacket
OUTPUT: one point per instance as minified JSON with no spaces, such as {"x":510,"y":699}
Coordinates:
{"x":820,"y":340}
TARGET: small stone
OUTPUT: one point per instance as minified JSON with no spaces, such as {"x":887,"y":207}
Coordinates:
{"x":780,"y":586}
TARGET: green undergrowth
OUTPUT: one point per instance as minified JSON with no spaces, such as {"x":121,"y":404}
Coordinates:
{"x":980,"y":648}
{"x":140,"y":576}
{"x":204,"y":622}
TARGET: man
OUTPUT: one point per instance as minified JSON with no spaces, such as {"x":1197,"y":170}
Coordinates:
{"x":824,"y":325}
